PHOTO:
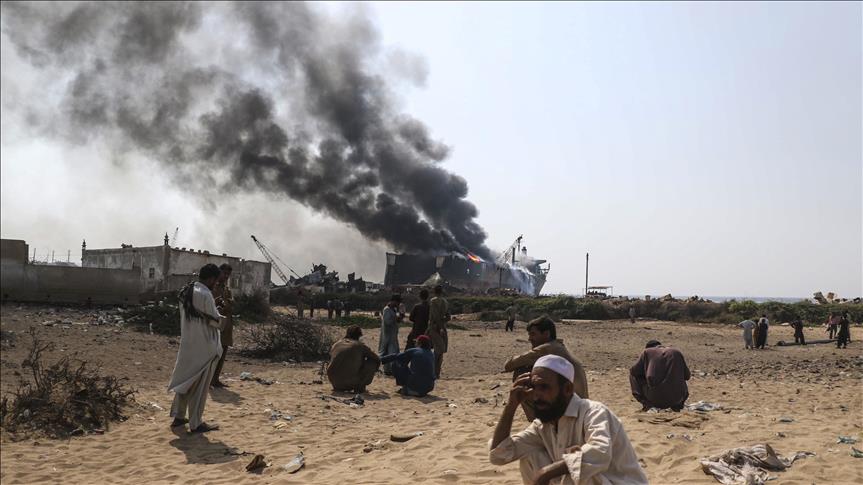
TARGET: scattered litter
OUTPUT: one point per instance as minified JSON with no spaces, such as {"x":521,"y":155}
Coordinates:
{"x":257,"y":464}
{"x":295,"y":464}
{"x":353,"y":402}
{"x":704,"y":406}
{"x":748,"y":466}
{"x":247,"y":376}
{"x":848,"y":440}
{"x":786,"y":420}
{"x":156,"y":406}
{"x":856,"y":453}
{"x":377,"y":445}
{"x":780,"y":434}
{"x":276,"y":415}
{"x":280,"y":424}
{"x":401,"y":438}
{"x":452,"y":405}
{"x":480,"y":400}
{"x":495,"y":386}
{"x":235,"y":452}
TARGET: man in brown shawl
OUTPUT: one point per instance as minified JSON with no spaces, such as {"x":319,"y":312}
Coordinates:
{"x":352,"y":363}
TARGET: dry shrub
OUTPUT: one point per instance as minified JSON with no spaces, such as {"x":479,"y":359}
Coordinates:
{"x":65,"y":398}
{"x":285,"y":338}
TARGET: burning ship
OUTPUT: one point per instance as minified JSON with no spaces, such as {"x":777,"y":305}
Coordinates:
{"x":513,"y":270}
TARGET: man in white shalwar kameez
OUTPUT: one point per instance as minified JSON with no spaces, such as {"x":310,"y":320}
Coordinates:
{"x":572,"y":441}
{"x":200,"y":350}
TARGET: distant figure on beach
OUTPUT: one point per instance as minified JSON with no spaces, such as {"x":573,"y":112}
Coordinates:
{"x":797,"y":325}
{"x":844,"y":334}
{"x":352,"y":363}
{"x":631,"y":313}
{"x":658,"y":378}
{"x":510,"y":318}
{"x":301,"y":304}
{"x":200,"y":350}
{"x":339,"y":307}
{"x":414,"y":369}
{"x":438,"y":316}
{"x":847,"y":316}
{"x":389,"y":339}
{"x":763,"y":327}
{"x":832,"y":324}
{"x":346,"y":306}
{"x":542,"y":335}
{"x":225,"y":305}
{"x":419,"y":317}
{"x":747,"y":325}
{"x":329,"y":309}
{"x":574,"y":438}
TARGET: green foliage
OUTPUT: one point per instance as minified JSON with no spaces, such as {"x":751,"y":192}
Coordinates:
{"x":363,"y":321}
{"x":254,"y":307}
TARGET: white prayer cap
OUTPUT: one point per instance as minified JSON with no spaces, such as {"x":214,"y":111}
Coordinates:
{"x":557,"y":364}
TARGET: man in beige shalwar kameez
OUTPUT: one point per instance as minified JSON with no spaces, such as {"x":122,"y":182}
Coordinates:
{"x":200,"y":350}
{"x":572,"y":441}
{"x":438,"y":316}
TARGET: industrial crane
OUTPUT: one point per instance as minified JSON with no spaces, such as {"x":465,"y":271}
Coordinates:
{"x":174,"y":237}
{"x":272,"y":261}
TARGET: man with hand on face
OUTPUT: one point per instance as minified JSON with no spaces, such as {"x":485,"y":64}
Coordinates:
{"x":578,"y":440}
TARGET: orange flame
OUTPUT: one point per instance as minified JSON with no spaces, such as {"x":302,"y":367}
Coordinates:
{"x":474,"y":258}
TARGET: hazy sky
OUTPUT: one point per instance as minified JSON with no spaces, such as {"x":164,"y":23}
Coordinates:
{"x":703,"y":148}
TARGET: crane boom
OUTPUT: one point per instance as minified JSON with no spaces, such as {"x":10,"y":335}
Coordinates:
{"x":271,"y":260}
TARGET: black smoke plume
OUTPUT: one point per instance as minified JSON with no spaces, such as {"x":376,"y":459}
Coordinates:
{"x":274,"y":97}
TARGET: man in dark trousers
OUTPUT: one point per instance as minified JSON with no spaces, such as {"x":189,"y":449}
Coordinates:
{"x":658,"y":379}
{"x":420,"y":318}
{"x":414,"y":369}
{"x":763,"y":327}
{"x":797,"y":325}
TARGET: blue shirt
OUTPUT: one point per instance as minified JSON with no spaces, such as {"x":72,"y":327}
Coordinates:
{"x":421,"y":364}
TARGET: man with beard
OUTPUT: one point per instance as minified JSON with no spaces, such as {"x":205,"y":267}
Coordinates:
{"x":542,"y":335}
{"x":200,"y":350}
{"x":658,"y":379}
{"x":352,"y":363}
{"x":389,"y":338}
{"x":414,"y":368}
{"x":577,"y":439}
{"x":438,"y":316}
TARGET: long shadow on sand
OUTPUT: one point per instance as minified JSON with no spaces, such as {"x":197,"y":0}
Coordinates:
{"x":225,"y":396}
{"x":199,"y":449}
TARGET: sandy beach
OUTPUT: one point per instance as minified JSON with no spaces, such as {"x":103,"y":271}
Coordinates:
{"x":817,"y":386}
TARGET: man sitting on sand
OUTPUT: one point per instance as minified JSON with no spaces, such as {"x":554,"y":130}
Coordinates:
{"x":200,"y":350}
{"x":658,"y":379}
{"x":543,"y":341}
{"x":352,"y":363}
{"x":574,"y":438}
{"x":414,"y":369}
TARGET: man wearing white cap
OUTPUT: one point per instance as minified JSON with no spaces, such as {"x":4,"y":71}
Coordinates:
{"x":576,"y":440}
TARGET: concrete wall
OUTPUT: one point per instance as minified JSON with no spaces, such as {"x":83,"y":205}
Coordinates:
{"x":21,"y":281}
{"x":13,"y":251}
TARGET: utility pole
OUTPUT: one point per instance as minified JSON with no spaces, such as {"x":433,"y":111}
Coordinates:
{"x":586,"y":268}
{"x":52,"y":255}
{"x":68,"y":255}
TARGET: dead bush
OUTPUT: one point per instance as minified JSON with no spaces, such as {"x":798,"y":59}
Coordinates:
{"x":62,"y":399}
{"x":254,"y":307}
{"x":284,"y":338}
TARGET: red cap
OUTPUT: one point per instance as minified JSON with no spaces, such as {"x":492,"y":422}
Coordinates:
{"x":423,"y":338}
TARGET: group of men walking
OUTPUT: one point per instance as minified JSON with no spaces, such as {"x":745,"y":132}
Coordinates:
{"x":837,"y":325}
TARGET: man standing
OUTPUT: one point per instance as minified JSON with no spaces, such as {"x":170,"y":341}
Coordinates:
{"x":574,"y":438}
{"x":832,"y":325}
{"x":797,"y":325}
{"x":438,"y":316}
{"x":329,"y":309}
{"x":543,"y":341}
{"x":658,"y":379}
{"x":747,"y":325}
{"x":225,"y":305}
{"x":352,"y":363}
{"x":763,"y":326}
{"x":200,"y":350}
{"x":631,"y":313}
{"x":420,"y":319}
{"x":844,"y":334}
{"x":389,"y":339}
{"x":301,"y":304}
{"x":510,"y":318}
{"x":414,"y":368}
